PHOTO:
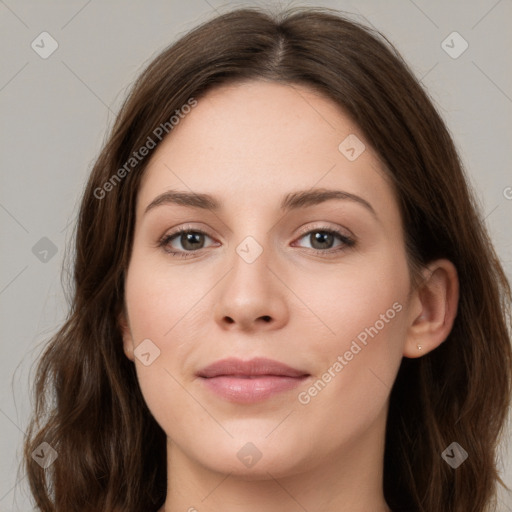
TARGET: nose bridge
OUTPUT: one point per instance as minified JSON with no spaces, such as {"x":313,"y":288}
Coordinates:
{"x":250,"y":275}
{"x":251,"y":242}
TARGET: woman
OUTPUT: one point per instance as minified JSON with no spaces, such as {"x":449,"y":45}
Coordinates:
{"x":284,"y":299}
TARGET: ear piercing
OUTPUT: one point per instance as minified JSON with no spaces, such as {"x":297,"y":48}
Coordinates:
{"x":419,"y":347}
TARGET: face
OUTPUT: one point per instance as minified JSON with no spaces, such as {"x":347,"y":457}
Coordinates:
{"x":318,"y":284}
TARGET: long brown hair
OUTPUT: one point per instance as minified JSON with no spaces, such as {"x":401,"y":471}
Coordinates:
{"x":88,"y":405}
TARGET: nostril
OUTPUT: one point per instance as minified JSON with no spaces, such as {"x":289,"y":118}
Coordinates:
{"x":266,"y":318}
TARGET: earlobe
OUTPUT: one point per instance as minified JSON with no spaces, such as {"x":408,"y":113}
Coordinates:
{"x":126,"y":335}
{"x":438,"y":296}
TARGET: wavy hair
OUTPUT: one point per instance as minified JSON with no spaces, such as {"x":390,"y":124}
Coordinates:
{"x":87,"y":401}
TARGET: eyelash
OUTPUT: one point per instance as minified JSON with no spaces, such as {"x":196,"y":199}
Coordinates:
{"x":166,"y":239}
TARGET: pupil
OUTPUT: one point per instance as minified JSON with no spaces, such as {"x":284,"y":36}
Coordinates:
{"x":190,"y":238}
{"x":322,"y":237}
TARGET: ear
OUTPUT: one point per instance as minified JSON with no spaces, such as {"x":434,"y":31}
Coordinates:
{"x":126,"y":334}
{"x":436,"y":300}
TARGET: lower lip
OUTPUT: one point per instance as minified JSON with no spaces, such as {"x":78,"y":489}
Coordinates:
{"x":248,"y":390}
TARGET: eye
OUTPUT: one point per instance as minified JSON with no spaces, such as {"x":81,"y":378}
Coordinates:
{"x":322,"y":239}
{"x":191,"y":240}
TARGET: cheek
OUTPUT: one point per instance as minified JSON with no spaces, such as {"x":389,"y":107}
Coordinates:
{"x":160,"y":300}
{"x":360,"y":340}
{"x":364,"y":301}
{"x":162,"y":307}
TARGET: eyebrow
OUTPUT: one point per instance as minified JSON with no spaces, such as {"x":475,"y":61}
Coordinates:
{"x":292,"y":201}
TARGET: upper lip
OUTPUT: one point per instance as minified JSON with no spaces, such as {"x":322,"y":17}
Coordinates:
{"x":256,"y":366}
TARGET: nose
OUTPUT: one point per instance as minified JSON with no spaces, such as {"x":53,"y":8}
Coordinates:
{"x":251,"y":296}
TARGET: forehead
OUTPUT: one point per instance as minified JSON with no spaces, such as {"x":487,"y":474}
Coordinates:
{"x":247,"y":119}
{"x":250,"y":141}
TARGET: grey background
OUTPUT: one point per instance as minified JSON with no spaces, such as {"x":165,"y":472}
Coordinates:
{"x":55,"y":114}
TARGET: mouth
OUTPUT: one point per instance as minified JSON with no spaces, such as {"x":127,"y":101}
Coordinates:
{"x":250,"y":381}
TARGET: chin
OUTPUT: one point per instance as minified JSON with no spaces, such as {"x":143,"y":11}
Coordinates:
{"x":254,"y":461}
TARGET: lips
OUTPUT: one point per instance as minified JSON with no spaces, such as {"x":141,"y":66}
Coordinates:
{"x":240,"y":381}
{"x":253,"y":368}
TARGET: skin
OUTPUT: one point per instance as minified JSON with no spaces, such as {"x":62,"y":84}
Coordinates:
{"x":249,"y":145}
